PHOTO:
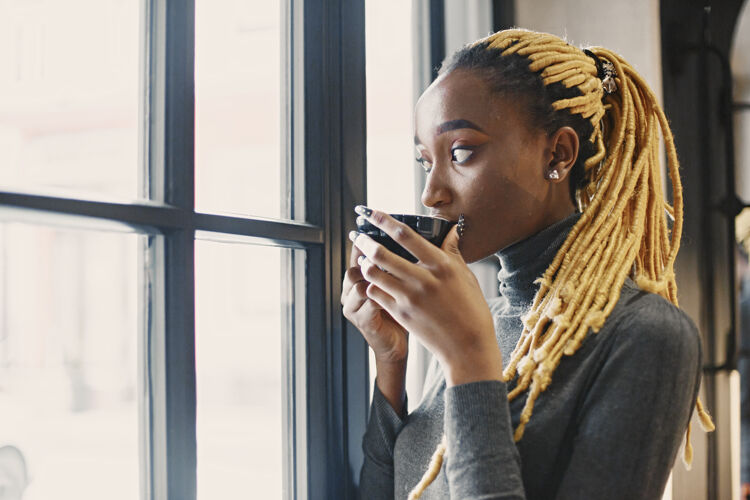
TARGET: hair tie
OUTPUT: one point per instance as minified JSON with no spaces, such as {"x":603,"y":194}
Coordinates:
{"x":605,"y":71}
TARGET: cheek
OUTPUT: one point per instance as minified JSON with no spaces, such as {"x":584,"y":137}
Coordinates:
{"x":497,"y":191}
{"x":504,"y":200}
{"x":523,"y":186}
{"x":506,"y":188}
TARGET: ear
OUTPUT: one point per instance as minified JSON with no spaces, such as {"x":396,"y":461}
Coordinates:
{"x":563,"y":153}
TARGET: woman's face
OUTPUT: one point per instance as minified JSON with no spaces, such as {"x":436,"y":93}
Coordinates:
{"x":484,"y":161}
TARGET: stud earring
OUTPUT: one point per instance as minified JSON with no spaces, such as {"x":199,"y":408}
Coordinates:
{"x":554,"y":175}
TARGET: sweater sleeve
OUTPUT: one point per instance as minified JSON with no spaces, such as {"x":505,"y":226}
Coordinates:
{"x":633,"y":417}
{"x":376,"y":476}
{"x":482,"y":459}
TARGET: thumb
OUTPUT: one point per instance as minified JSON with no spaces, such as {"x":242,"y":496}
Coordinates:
{"x":451,"y":241}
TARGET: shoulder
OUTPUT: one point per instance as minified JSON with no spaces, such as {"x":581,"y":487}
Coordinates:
{"x":652,"y":325}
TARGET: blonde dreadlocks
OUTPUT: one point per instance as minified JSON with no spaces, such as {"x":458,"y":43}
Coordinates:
{"x":623,"y":229}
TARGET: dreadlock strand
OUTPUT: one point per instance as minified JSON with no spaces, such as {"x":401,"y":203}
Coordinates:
{"x":583,"y":327}
{"x":436,"y":462}
{"x":521,"y":386}
{"x":521,"y":348}
{"x":704,"y":418}
{"x":687,"y":454}
{"x":526,"y":412}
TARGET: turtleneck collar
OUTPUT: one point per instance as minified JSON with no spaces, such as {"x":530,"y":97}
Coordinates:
{"x":526,"y":260}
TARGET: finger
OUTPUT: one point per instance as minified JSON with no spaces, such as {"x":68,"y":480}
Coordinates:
{"x":356,"y":252}
{"x":370,"y":311}
{"x":381,"y":298}
{"x":400,"y":233}
{"x":451,"y":241}
{"x":383,"y":280}
{"x":356,"y":297}
{"x":351,"y":277}
{"x":369,"y":307}
{"x":381,"y":256}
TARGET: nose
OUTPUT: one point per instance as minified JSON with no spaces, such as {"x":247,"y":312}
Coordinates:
{"x":436,"y":192}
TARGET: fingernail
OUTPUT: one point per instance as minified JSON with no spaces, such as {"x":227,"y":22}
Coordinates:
{"x":360,"y":260}
{"x":353,"y":235}
{"x":363,"y":210}
{"x":361,"y":220}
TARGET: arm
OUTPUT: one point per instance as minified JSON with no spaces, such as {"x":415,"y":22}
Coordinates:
{"x":391,"y":384}
{"x":483,"y":461}
{"x":439,"y":300}
{"x":376,"y":476}
{"x":389,"y":342}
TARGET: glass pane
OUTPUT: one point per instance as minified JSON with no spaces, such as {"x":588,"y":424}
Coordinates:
{"x":69,"y":96}
{"x":238,"y":91}
{"x":239,"y":335}
{"x":390,"y":106}
{"x":390,"y":136}
{"x":68,"y":364}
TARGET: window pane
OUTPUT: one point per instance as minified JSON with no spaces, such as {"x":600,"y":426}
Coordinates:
{"x":390,"y":106}
{"x":239,"y":333}
{"x":390,"y":135}
{"x":69,"y":95}
{"x":68,"y":363}
{"x":238,"y":90}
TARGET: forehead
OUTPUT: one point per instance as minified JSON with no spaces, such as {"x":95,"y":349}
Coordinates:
{"x":462,"y":95}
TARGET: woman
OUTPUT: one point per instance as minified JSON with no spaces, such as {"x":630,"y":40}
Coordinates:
{"x":580,"y":379}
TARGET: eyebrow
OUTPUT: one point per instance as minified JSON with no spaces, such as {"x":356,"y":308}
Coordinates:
{"x":454,"y":125}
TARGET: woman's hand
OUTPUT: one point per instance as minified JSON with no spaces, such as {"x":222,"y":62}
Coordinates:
{"x":438,"y":299}
{"x":388,"y":340}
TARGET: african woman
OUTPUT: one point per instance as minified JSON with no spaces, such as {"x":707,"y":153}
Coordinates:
{"x":580,"y":379}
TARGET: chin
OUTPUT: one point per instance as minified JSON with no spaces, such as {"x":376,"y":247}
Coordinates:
{"x":471,"y":253}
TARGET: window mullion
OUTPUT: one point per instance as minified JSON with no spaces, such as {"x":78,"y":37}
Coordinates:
{"x":353,"y":191}
{"x":169,"y":264}
{"x":334,"y":161}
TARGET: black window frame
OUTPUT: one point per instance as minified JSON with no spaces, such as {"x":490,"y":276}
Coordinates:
{"x":325,"y":153}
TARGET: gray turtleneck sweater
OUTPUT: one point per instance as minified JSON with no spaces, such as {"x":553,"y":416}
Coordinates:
{"x":608,"y":426}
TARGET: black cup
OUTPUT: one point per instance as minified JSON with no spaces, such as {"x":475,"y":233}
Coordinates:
{"x":433,"y":229}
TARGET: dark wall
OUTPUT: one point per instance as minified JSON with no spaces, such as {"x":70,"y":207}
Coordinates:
{"x":696,"y":42}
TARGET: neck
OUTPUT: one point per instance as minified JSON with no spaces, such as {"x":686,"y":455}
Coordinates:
{"x":526,"y":260}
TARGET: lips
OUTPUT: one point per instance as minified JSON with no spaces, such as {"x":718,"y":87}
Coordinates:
{"x":443,"y":216}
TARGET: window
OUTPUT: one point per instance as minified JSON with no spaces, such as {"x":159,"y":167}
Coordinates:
{"x":175,"y":192}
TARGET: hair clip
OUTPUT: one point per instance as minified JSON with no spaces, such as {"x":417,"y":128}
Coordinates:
{"x":606,"y":72}
{"x":608,"y":82}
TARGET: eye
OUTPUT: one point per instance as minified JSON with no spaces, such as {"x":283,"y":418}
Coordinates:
{"x":461,"y":154}
{"x":426,"y":164}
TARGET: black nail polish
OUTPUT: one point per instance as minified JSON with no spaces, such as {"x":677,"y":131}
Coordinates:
{"x":363,"y":210}
{"x":461,"y":225}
